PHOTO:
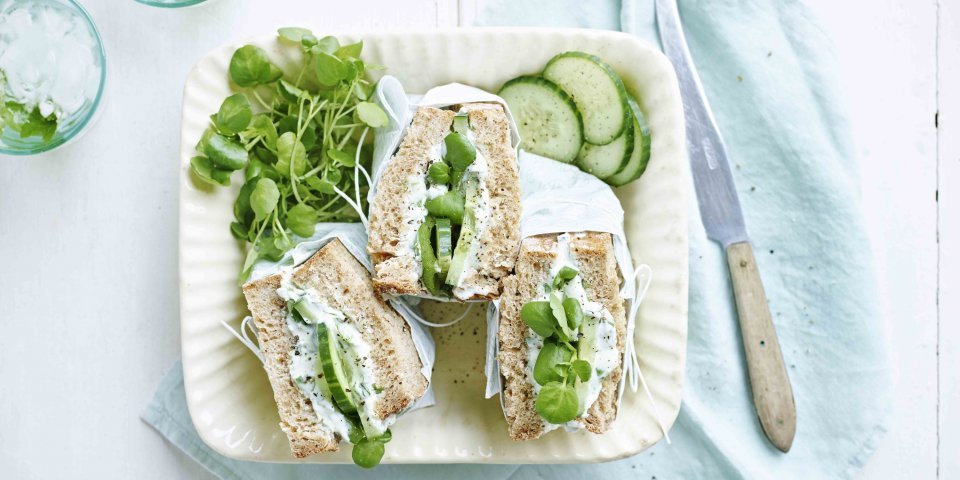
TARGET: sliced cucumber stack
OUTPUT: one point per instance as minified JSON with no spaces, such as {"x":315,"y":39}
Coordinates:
{"x":547,"y":118}
{"x":640,"y":155}
{"x":579,"y":111}
{"x":334,"y":372}
{"x":605,"y":161}
{"x":597,"y":91}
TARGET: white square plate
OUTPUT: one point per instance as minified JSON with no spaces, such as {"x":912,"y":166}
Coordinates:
{"x":228,"y":393}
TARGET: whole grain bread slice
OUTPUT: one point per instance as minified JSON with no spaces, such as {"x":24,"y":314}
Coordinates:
{"x":343,"y":283}
{"x":396,"y":266}
{"x":397,"y":269}
{"x":598,"y":268}
{"x":500,"y":239}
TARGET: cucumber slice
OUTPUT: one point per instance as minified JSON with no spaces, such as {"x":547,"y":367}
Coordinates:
{"x":428,"y":258}
{"x":598,"y":92}
{"x":337,"y":377}
{"x":444,"y":245}
{"x":461,"y":123}
{"x":471,"y":187}
{"x":641,"y":150}
{"x":546,"y":116}
{"x":605,"y":161}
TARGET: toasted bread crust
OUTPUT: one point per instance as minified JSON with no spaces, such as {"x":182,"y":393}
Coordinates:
{"x":397,"y":271}
{"x":343,"y":283}
{"x":598,"y":268}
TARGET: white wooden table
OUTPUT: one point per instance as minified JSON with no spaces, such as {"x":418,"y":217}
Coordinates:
{"x":88,"y":233}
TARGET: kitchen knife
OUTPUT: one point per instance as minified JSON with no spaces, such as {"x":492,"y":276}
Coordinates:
{"x":723,"y":222}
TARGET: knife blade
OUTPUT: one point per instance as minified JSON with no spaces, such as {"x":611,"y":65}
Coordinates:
{"x":723,"y":222}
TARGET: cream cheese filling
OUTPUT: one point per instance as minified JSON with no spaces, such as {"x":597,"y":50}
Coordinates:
{"x":598,"y":343}
{"x":356,"y":355}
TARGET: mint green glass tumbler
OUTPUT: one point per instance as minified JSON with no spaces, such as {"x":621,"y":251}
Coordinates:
{"x":52,"y":74}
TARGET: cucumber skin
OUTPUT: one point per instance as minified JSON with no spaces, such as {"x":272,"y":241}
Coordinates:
{"x":614,"y":76}
{"x":628,"y":152}
{"x":324,"y":336}
{"x":643,"y":126}
{"x":565,"y":98}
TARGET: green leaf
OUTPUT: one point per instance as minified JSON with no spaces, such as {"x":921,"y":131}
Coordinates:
{"x":290,"y":124}
{"x":349,"y":51}
{"x":250,"y":67}
{"x":262,"y":126}
{"x":449,"y":205}
{"x":321,"y":185}
{"x":371,"y":114}
{"x":203,"y":168}
{"x":360,"y":91}
{"x":302,"y":219}
{"x":293,"y":34}
{"x":290,"y":92}
{"x":333,"y":175}
{"x":539,"y":317}
{"x":439,"y":173}
{"x":557,"y":402}
{"x":341,"y":157}
{"x":308,"y":41}
{"x":545,"y":368}
{"x":290,"y":150}
{"x":263,"y":199}
{"x":367,"y":453}
{"x":241,"y":206}
{"x":234,"y":115}
{"x":268,"y":247}
{"x":559,"y":315}
{"x":239,"y":231}
{"x":582,"y":369}
{"x":573,"y":312}
{"x":328,"y":45}
{"x":204,"y":139}
{"x":248,"y":261}
{"x":221,"y":176}
{"x":39,"y":126}
{"x":330,"y":70}
{"x":225,"y":153}
{"x":563,"y":276}
{"x":460,"y":152}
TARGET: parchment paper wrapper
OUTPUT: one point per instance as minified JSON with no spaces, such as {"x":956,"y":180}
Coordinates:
{"x":354,"y":237}
{"x":401,"y":107}
{"x":560,"y":198}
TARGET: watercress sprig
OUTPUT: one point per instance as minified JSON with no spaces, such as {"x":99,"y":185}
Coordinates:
{"x":558,"y":366}
{"x":299,"y":137}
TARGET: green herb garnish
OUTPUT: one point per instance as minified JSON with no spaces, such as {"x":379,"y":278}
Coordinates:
{"x":299,"y":139}
{"x":558,"y":366}
{"x":449,"y":205}
{"x":28,"y":123}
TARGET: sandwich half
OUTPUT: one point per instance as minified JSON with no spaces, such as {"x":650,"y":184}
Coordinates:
{"x":561,"y":336}
{"x":341,"y":361}
{"x":445,"y":221}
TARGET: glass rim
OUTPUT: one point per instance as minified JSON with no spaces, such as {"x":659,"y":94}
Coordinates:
{"x":176,"y":4}
{"x":81,"y":126}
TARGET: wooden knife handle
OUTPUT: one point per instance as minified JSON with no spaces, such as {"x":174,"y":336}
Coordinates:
{"x":772,"y":394}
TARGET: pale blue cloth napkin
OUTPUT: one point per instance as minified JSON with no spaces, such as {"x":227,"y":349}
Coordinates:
{"x":768,"y":71}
